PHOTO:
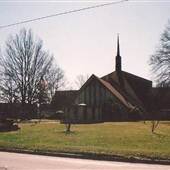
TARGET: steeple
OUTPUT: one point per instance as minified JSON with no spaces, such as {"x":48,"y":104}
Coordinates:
{"x":118,"y":57}
{"x":118,"y":48}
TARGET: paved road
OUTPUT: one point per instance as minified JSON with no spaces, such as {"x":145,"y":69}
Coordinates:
{"x":15,"y":161}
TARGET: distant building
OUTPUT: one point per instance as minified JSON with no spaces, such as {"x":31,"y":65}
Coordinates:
{"x":118,"y":96}
{"x":64,"y":98}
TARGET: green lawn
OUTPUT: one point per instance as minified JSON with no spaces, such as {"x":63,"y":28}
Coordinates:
{"x":128,"y":139}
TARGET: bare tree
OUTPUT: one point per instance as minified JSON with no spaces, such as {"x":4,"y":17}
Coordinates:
{"x":24,"y":62}
{"x":55,"y":79}
{"x":43,"y":96}
{"x":8,"y":90}
{"x":154,"y":125}
{"x":81,"y":79}
{"x":160,"y":61}
{"x":7,"y":87}
{"x":68,"y":127}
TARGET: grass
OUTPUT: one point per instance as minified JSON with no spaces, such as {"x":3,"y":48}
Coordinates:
{"x":125,"y":138}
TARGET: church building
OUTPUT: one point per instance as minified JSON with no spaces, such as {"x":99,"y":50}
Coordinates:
{"x":117,"y":96}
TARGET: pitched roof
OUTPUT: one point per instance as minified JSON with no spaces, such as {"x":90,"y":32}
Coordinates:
{"x":131,"y":90}
{"x":132,"y":87}
{"x":111,"y":89}
{"x":116,"y":93}
{"x":141,"y":88}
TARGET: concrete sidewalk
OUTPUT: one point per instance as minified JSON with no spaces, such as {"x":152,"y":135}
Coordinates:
{"x":18,"y":161}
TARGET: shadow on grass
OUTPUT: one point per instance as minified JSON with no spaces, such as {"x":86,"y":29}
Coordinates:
{"x":68,"y":133}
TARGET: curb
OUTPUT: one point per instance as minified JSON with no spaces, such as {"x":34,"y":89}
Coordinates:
{"x":92,"y":156}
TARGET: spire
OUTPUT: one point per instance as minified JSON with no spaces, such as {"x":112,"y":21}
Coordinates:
{"x":118,"y":48}
{"x":118,"y":57}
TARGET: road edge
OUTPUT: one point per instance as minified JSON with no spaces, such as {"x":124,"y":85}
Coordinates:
{"x":92,"y":156}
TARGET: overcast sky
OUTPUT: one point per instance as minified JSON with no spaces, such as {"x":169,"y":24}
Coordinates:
{"x":85,"y":42}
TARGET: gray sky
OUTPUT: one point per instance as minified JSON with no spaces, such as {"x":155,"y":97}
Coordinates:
{"x":85,"y":42}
